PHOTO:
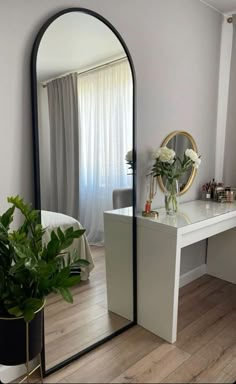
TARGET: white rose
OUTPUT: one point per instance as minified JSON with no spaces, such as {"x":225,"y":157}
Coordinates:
{"x":166,"y":155}
{"x":193,"y":156}
{"x":197,"y":163}
{"x":129,"y":156}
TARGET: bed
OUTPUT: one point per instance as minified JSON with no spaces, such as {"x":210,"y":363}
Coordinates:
{"x":52,"y":220}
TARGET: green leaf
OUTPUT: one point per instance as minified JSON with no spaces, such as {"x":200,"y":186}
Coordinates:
{"x":53,"y":248}
{"x":71,"y":281}
{"x":78,"y":233}
{"x":38,"y":228}
{"x":46,"y":270}
{"x":15,"y":311}
{"x":28,"y":314}
{"x":69,"y":231}
{"x":62,"y":276}
{"x":21,"y":254}
{"x":18,"y":237}
{"x":33,"y":304}
{"x":83,"y":262}
{"x":3,"y":229}
{"x":67,"y":243}
{"x":18,"y":265}
{"x":60,"y":234}
{"x":7,"y":217}
{"x":54,"y":236}
{"x":24,"y":252}
{"x":20,"y":204}
{"x":66,"y":294}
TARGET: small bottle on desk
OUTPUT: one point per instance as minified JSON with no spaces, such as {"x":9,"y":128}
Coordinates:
{"x":148,"y":206}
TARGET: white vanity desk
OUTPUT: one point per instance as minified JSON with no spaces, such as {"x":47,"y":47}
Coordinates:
{"x":159,"y":244}
{"x":159,"y":251}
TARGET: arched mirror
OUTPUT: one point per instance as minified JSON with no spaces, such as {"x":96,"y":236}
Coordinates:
{"x":179,"y":141}
{"x":83,"y":120}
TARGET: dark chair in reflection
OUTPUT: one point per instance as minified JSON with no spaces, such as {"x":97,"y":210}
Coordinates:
{"x":122,"y":198}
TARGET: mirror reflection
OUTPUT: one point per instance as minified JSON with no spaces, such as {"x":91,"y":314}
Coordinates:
{"x":179,"y":141}
{"x":85,"y":94}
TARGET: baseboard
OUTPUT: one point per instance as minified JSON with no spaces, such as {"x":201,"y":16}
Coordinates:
{"x":192,"y":275}
{"x":8,"y":374}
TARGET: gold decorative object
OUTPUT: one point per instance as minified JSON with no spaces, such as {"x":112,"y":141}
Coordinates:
{"x":153,"y":214}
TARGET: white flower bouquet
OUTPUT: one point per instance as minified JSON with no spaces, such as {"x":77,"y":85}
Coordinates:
{"x":168,"y":164}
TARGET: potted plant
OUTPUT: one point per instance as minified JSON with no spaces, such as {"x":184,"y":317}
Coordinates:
{"x":29,"y":271}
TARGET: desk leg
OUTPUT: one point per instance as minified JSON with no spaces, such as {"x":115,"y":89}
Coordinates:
{"x":221,"y":256}
{"x":158,"y":282}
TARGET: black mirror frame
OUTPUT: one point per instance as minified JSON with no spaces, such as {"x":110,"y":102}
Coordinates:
{"x":37,"y":192}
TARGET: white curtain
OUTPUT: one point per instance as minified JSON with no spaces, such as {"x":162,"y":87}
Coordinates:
{"x":64,"y":145}
{"x":105,"y":110}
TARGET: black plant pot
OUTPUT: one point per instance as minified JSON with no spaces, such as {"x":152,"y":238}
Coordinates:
{"x":13,"y":338}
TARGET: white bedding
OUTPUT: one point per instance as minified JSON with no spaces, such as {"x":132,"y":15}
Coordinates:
{"x":52,"y":220}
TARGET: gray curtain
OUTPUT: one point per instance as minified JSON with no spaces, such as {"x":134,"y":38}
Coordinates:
{"x":229,"y":174}
{"x":64,"y":145}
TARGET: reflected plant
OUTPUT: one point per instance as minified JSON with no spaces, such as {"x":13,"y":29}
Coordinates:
{"x":129,"y":160}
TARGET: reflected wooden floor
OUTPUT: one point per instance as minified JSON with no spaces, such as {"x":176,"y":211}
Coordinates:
{"x":70,"y":328}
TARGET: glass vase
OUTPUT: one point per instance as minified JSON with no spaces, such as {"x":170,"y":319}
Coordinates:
{"x":171,"y":196}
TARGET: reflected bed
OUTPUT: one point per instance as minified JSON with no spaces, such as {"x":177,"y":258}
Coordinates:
{"x":52,"y":220}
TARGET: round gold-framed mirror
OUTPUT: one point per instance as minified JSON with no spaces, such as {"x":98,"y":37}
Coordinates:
{"x":179,"y":141}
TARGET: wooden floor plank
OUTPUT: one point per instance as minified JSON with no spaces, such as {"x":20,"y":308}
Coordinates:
{"x":71,"y":328}
{"x":195,"y":287}
{"x":111,"y":365}
{"x":198,"y":302}
{"x":78,"y":339}
{"x":201,"y":331}
{"x":207,"y":363}
{"x":111,"y":359}
{"x":154,"y":367}
{"x":230,"y":369}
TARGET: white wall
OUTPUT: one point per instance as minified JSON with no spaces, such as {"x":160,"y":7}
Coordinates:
{"x":175,"y":46}
{"x":230,"y":137}
{"x":179,"y":88}
{"x":223,"y":93}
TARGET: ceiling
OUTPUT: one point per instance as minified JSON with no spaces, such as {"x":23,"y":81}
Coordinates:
{"x":224,"y":6}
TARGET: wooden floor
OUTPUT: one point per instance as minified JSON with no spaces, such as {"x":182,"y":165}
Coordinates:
{"x":204,"y":353}
{"x":71,"y":328}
